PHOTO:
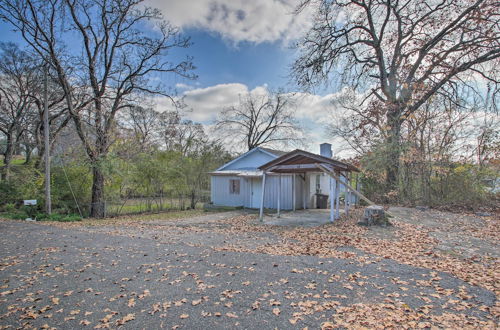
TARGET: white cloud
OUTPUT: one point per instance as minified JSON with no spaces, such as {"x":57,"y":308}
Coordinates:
{"x":205,"y":103}
{"x":315,"y":107}
{"x":313,"y":112}
{"x":183,"y":86}
{"x":239,"y":20}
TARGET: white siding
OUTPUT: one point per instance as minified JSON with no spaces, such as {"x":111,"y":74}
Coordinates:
{"x":220,"y":191}
{"x":221,"y":196}
{"x":271,"y":194}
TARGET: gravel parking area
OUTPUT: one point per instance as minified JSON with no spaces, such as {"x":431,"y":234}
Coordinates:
{"x":209,"y":273}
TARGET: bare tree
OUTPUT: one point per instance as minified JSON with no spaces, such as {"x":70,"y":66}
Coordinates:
{"x":21,"y":86}
{"x":260,"y":120}
{"x":17,"y":81}
{"x":182,"y":135}
{"x":401,"y":52}
{"x":189,"y":137}
{"x":117,"y":59}
{"x":168,"y":130}
{"x":144,"y":123}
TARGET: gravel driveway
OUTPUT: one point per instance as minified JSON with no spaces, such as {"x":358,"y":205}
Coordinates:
{"x":160,"y":275}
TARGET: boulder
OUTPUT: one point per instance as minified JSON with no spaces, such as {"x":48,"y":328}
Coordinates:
{"x":422,"y":208}
{"x":374,"y":216}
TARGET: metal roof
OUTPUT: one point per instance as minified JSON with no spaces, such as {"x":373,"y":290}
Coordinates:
{"x":300,"y":161}
{"x":275,"y":152}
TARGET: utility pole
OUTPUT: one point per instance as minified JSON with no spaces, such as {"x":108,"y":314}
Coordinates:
{"x":46,"y":133}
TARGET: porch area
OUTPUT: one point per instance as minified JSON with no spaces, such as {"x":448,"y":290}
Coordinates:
{"x":300,"y":218}
{"x":300,"y":165}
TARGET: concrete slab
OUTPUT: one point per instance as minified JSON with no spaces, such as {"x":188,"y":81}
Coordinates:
{"x":300,"y":218}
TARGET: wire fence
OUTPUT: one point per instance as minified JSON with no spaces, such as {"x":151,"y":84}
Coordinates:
{"x":137,"y":205}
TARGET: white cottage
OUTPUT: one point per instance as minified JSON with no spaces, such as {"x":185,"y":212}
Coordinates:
{"x":239,"y":182}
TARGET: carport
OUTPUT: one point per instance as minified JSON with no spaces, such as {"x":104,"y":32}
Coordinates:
{"x":299,"y":163}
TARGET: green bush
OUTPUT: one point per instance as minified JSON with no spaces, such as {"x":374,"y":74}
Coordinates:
{"x":427,"y":182}
{"x":71,"y":218}
{"x":80,"y":177}
{"x":8,"y":193}
{"x":15,"y":215}
{"x":58,"y":217}
{"x":9,"y":207}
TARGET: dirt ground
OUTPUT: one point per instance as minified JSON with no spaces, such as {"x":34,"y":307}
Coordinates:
{"x":228,"y":270}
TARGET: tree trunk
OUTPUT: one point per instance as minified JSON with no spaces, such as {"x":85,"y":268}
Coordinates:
{"x":193,"y":199}
{"x":97,"y":209}
{"x":7,"y":159}
{"x":393,"y":148}
{"x":6,"y":167}
{"x":40,"y":152}
{"x":27,"y":152}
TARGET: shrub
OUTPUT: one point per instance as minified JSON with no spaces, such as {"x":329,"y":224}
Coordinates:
{"x":58,"y":217}
{"x":15,"y":215}
{"x":9,"y":207}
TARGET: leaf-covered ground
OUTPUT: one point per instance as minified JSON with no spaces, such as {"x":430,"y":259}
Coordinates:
{"x":431,"y":269}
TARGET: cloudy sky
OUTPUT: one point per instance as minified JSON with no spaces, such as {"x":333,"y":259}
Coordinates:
{"x":240,"y":46}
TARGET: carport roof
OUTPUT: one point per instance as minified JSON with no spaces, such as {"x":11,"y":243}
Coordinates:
{"x":300,"y":161}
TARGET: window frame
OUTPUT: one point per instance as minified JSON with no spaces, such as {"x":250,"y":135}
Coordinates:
{"x":234,"y":186}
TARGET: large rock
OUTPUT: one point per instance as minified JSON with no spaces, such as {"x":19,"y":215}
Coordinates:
{"x":374,"y":216}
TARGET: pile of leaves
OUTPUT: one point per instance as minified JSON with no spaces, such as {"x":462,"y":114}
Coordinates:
{"x":390,"y":315}
{"x":411,"y":245}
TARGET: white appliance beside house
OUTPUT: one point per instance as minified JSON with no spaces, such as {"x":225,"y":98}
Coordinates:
{"x":238,"y":183}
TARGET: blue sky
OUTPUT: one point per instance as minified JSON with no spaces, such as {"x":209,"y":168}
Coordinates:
{"x":238,"y":46}
{"x":220,"y":62}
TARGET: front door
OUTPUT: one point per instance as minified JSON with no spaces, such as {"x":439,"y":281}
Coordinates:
{"x":256,"y":193}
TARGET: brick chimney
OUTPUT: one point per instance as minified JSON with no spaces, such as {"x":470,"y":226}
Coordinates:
{"x":325,"y":149}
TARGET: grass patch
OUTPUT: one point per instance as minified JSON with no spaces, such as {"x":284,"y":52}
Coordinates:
{"x":124,"y":219}
{"x":115,"y":220}
{"x":16,"y":161}
{"x":14,"y":215}
{"x":138,"y":206}
{"x":21,"y":215}
{"x":58,"y":217}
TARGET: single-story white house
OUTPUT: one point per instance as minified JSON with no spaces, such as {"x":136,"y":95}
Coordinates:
{"x":238,"y":183}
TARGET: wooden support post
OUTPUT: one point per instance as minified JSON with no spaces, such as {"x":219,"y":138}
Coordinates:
{"x":304,"y":192}
{"x":357,"y":188}
{"x":336,"y":177}
{"x":332,"y":200}
{"x":293,"y":192}
{"x":337,"y":197}
{"x":261,"y":212}
{"x":279,"y":195}
{"x":347,"y":196}
{"x":356,"y":192}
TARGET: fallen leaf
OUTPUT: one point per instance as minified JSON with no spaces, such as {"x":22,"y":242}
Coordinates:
{"x":84,"y":322}
{"x":327,"y":326}
{"x":125,"y":319}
